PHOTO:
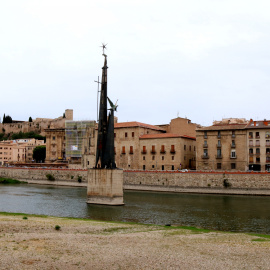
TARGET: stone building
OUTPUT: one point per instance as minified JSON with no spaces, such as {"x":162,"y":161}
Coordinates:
{"x":149,"y":147}
{"x":258,"y":145}
{"x":38,"y":125}
{"x":20,"y":150}
{"x":222,"y":146}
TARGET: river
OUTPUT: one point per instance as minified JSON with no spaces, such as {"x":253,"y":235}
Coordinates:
{"x":219,"y":212}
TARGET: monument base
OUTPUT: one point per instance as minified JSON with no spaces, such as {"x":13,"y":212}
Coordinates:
{"x":105,"y":186}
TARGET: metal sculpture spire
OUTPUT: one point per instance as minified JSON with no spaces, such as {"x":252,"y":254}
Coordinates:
{"x":105,"y":141}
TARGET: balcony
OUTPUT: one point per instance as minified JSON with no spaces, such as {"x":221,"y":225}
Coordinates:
{"x":144,"y":152}
{"x":233,"y":157}
{"x":258,"y":161}
{"x":205,"y":156}
{"x":131,"y":152}
{"x":250,"y":137}
{"x":218,"y":145}
{"x":218,"y":156}
{"x":251,"y":145}
{"x":257,"y":137}
{"x":233,"y":135}
{"x":123,"y":153}
{"x":172,"y":151}
{"x":162,"y":152}
{"x":205,"y":145}
{"x":233,"y":145}
{"x":153,"y":152}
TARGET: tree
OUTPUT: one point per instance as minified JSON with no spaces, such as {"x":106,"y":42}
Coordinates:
{"x":4,"y":117}
{"x":39,"y":153}
{"x":64,"y":115}
{"x":7,"y":119}
{"x":30,"y":119}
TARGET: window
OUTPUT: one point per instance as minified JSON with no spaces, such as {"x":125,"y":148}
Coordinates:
{"x":267,"y":134}
{"x":162,"y":167}
{"x":257,"y":150}
{"x":250,"y":150}
{"x":162,"y":157}
{"x":153,"y":166}
{"x":257,"y":135}
{"x":126,"y":134}
{"x":218,"y":134}
{"x":205,"y":134}
{"x":250,"y":135}
{"x":153,"y":157}
{"x":144,"y":150}
{"x":233,"y":143}
{"x":162,"y":149}
{"x":132,"y":134}
{"x":172,"y":157}
{"x":250,"y":143}
{"x":153,"y":149}
{"x":218,"y":166}
{"x":258,"y":160}
{"x":53,"y":137}
{"x":143,"y":167}
{"x":233,"y":154}
{"x":219,"y":143}
{"x":131,"y":150}
{"x":233,"y":133}
{"x":205,"y":152}
{"x":267,"y":150}
{"x":123,"y":150}
{"x":257,"y":143}
{"x":172,"y":167}
{"x":185,"y":147}
{"x":233,"y":166}
{"x":218,"y":153}
{"x":114,"y":135}
{"x":172,"y":149}
{"x":267,"y":143}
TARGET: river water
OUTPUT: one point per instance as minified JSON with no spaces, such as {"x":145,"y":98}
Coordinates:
{"x":218,"y":212}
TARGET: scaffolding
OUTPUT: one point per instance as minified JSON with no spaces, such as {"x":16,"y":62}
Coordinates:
{"x":76,"y":132}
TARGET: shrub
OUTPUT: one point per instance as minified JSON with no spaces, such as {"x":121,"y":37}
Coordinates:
{"x":72,"y":176}
{"x":226,"y":183}
{"x":79,"y":178}
{"x":25,"y":217}
{"x":50,"y":177}
{"x":57,"y":227}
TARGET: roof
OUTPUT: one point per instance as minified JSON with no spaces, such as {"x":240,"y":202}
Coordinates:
{"x":223,"y":127}
{"x":136,"y":124}
{"x":258,"y":124}
{"x":165,"y":135}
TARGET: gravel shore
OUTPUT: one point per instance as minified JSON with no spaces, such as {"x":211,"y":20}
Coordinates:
{"x":34,"y":243}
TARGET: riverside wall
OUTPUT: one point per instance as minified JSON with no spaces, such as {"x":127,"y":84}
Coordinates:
{"x":250,"y":183}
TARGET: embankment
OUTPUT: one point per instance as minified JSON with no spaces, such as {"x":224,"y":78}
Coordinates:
{"x":250,"y":183}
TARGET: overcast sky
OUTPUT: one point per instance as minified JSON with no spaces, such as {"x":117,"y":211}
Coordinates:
{"x":204,"y":60}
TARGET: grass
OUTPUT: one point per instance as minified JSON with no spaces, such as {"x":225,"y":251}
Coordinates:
{"x":10,"y":181}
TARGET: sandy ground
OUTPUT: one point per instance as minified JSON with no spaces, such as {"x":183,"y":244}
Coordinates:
{"x":34,"y":243}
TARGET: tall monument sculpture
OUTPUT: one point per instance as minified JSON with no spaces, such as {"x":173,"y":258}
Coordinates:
{"x":105,"y":141}
{"x":105,"y":181}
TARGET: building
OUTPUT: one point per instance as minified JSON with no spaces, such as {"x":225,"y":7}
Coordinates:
{"x":222,"y":146}
{"x":258,"y":145}
{"x":18,"y":151}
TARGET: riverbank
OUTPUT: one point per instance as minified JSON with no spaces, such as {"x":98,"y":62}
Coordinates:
{"x":34,"y":243}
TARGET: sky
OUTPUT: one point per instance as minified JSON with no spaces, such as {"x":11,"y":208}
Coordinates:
{"x":203,"y":60}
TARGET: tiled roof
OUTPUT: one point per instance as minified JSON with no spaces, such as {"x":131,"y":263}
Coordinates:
{"x":136,"y":124}
{"x":258,"y":124}
{"x":165,"y":135}
{"x":223,"y":127}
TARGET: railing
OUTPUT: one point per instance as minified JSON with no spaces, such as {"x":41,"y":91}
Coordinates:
{"x":172,"y":151}
{"x":153,"y":152}
{"x":205,"y":146}
{"x":233,"y":157}
{"x":131,"y":152}
{"x":205,"y":156}
{"x":144,"y":152}
{"x":233,"y":145}
{"x":162,"y":152}
{"x":218,"y":145}
{"x":218,"y":156}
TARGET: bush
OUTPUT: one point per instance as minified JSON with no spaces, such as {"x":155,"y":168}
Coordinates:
{"x":57,"y":227}
{"x":226,"y":183}
{"x":25,"y":217}
{"x":50,"y":177}
{"x":79,"y":178}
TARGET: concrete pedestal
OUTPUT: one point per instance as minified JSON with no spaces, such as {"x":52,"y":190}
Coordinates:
{"x":105,"y":186}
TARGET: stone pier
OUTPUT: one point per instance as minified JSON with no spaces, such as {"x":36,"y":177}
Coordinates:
{"x":105,"y":186}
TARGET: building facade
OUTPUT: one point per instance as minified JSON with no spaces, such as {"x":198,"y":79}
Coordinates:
{"x":222,"y":146}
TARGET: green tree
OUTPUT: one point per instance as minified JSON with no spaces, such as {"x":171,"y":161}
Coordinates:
{"x":4,"y":117}
{"x":30,"y":119}
{"x":64,"y":115}
{"x":39,"y":153}
{"x":7,"y":119}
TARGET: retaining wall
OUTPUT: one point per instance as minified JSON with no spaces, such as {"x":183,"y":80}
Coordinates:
{"x":166,"y":181}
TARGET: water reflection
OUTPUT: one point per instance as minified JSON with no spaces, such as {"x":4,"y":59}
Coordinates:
{"x":232,"y":213}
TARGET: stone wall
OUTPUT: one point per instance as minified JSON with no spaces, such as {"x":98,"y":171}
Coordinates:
{"x":171,"y":181}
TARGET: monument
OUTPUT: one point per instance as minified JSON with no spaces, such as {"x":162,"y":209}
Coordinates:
{"x":105,"y":181}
